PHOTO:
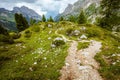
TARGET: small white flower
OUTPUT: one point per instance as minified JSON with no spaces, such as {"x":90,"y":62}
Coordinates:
{"x":24,"y":47}
{"x":49,"y":38}
{"x":44,"y":58}
{"x":114,"y":63}
{"x":118,"y":61}
{"x":45,"y":66}
{"x":30,"y":69}
{"x":16,"y":60}
{"x":118,"y":47}
{"x":113,"y":55}
{"x":35,"y":62}
{"x":50,"y":32}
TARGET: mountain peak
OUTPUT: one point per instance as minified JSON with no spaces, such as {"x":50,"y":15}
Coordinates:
{"x":26,"y":12}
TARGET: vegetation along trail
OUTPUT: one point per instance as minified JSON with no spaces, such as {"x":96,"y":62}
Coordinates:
{"x":80,"y":64}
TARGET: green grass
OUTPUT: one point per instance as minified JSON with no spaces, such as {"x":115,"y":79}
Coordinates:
{"x":109,"y":58}
{"x":33,"y":58}
{"x":83,"y":45}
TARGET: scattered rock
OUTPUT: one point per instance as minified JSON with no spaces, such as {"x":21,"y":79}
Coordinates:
{"x":53,"y":45}
{"x":83,"y":28}
{"x":83,"y":37}
{"x":76,"y":32}
{"x":49,"y":25}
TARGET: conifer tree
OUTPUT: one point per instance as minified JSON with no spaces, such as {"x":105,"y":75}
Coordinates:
{"x":3,"y":31}
{"x":43,"y":18}
{"x":71,"y":18}
{"x":51,"y":19}
{"x":32,"y":21}
{"x":110,"y":13}
{"x":61,"y":18}
{"x":21,"y":22}
{"x":82,"y":18}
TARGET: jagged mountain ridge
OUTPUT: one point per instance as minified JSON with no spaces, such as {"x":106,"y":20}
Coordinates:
{"x":7,"y":17}
{"x":26,"y":12}
{"x":89,"y":6}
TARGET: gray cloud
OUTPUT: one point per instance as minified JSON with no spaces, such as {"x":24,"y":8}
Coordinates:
{"x":47,"y":7}
{"x":17,"y":1}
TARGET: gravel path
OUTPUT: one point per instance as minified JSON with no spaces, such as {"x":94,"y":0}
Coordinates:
{"x":80,"y":64}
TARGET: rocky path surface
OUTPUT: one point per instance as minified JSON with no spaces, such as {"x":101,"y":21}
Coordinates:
{"x":80,"y":64}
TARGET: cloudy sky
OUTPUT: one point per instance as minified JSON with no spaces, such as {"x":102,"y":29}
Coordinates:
{"x":47,"y":7}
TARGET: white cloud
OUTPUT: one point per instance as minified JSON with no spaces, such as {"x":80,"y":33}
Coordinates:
{"x":64,"y":4}
{"x":40,"y":6}
{"x":36,"y":8}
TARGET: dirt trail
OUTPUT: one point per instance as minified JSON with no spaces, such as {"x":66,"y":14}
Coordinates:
{"x":56,"y":32}
{"x":80,"y":65}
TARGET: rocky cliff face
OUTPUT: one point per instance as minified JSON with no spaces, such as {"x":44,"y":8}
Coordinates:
{"x":91,"y":8}
{"x":80,"y":4}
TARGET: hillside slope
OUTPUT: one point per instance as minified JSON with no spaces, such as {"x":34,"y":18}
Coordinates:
{"x":40,"y":52}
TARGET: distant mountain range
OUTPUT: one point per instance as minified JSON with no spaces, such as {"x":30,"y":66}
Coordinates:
{"x":26,"y":12}
{"x":90,"y":7}
{"x":7,"y":17}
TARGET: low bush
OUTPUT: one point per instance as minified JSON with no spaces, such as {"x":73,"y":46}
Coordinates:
{"x":69,"y":31}
{"x":58,"y":42}
{"x":36,"y":29}
{"x":89,"y":25}
{"x":15,"y":35}
{"x":6,"y":38}
{"x":28,"y":34}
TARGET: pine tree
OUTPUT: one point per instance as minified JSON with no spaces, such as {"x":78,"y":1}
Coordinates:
{"x":51,"y":19}
{"x":32,"y":21}
{"x":3,"y":31}
{"x":61,"y":18}
{"x":82,"y":18}
{"x":43,"y":18}
{"x":71,"y":18}
{"x":21,"y":22}
{"x":110,"y":12}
